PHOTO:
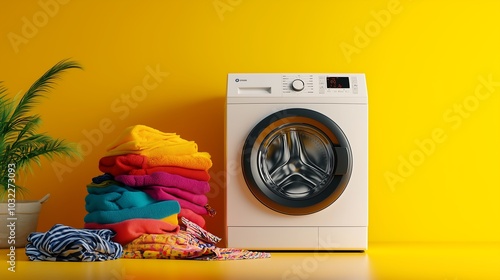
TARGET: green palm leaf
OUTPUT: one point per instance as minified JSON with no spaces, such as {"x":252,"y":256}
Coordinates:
{"x":38,"y":90}
{"x":19,"y":141}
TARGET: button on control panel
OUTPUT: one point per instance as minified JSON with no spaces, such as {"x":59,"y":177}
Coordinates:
{"x":298,"y":84}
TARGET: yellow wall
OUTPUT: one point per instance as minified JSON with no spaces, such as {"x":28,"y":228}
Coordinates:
{"x":432,"y":69}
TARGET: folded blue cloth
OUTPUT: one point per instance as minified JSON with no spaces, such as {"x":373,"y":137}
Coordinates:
{"x":116,"y":203}
{"x":158,"y":210}
{"x":115,"y":197}
{"x":65,"y":243}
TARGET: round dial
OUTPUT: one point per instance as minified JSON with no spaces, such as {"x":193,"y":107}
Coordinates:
{"x":297,"y":85}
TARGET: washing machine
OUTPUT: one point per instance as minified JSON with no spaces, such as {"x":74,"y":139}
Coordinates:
{"x":296,"y":161}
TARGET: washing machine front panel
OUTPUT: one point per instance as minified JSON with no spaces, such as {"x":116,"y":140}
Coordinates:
{"x":341,"y":98}
{"x":244,"y":209}
{"x":296,"y":161}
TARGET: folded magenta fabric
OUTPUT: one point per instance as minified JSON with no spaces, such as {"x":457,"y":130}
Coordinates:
{"x":175,"y":193}
{"x":161,"y":193}
{"x":165,"y":179}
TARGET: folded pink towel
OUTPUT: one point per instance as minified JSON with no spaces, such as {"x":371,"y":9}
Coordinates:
{"x":165,"y":179}
{"x":159,"y":193}
{"x":198,"y":199}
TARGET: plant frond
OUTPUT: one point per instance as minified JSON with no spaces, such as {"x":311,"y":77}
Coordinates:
{"x":20,"y":145}
{"x":34,"y":147}
{"x":7,"y":107}
{"x":41,"y":87}
{"x":3,"y":93}
{"x":4,"y":185}
{"x":25,"y":126}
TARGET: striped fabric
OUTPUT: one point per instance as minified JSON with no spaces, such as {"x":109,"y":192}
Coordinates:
{"x":199,"y":232}
{"x":65,"y":243}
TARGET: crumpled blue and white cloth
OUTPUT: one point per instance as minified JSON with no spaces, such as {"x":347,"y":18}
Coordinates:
{"x":65,"y":243}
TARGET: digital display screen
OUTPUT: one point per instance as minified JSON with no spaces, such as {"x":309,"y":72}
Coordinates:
{"x":337,"y":82}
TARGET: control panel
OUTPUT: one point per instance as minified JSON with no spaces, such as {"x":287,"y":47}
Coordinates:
{"x":321,"y":84}
{"x":297,"y":85}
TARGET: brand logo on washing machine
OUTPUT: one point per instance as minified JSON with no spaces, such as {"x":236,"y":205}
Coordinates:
{"x":240,"y":80}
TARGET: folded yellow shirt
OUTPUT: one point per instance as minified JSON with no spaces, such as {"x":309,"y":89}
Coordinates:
{"x":144,"y":140}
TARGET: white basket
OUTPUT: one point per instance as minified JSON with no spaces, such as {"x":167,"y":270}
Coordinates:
{"x":18,"y":222}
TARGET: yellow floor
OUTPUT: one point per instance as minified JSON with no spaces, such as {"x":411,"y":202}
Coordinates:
{"x":380,"y":261}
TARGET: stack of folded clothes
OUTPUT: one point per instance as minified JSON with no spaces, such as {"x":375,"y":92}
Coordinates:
{"x":164,"y":166}
{"x":152,"y":196}
{"x":127,"y":211}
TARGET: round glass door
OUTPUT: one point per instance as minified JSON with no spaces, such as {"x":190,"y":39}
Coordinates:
{"x":296,"y":161}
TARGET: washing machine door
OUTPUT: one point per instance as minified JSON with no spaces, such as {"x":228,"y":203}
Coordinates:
{"x":297,"y":161}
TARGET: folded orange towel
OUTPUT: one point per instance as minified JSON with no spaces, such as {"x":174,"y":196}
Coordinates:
{"x":144,"y":140}
{"x":198,"y":161}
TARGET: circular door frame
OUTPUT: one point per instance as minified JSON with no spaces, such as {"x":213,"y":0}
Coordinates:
{"x":337,"y":181}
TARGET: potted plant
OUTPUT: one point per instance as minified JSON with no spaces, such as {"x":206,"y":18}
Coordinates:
{"x":20,"y":147}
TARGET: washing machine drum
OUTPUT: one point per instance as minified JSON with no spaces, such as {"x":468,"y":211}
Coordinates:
{"x":297,"y":161}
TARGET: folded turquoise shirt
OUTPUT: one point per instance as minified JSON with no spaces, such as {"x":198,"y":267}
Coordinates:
{"x":158,"y":210}
{"x":115,"y":197}
{"x":116,"y":203}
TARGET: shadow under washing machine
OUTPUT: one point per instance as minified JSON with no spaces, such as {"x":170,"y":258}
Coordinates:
{"x":297,"y":161}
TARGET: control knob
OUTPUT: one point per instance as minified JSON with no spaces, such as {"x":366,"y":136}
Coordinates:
{"x":297,"y":85}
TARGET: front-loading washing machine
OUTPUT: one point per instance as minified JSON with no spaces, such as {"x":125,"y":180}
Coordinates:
{"x":297,"y":161}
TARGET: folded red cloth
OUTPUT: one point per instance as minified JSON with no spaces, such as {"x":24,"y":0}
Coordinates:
{"x":185,"y":161}
{"x":174,"y":181}
{"x":135,"y":165}
{"x":192,"y":216}
{"x":131,"y":229}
